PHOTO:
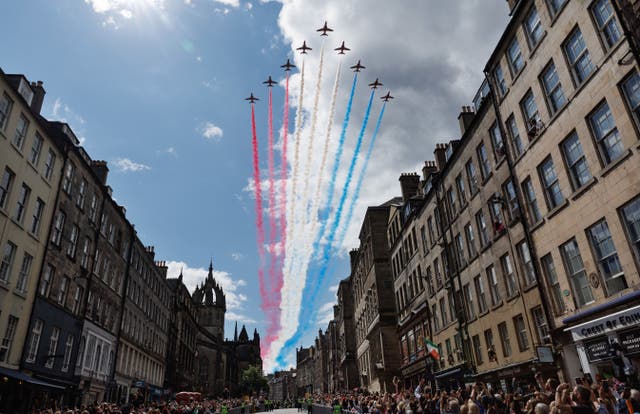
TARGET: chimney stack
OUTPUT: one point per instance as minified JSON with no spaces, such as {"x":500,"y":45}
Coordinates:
{"x":465,"y":118}
{"x":429,"y":168}
{"x":409,"y":184}
{"x":151,"y":251}
{"x":441,"y":156}
{"x":163,"y":268}
{"x":353,"y":255}
{"x":101,"y":170}
{"x":38,"y":96}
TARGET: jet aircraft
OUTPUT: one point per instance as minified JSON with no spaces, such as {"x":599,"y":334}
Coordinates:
{"x":304,"y":48}
{"x":324,"y":29}
{"x":287,"y":66}
{"x":342,"y":49}
{"x":357,"y":67}
{"x":251,"y":98}
{"x":375,"y":84}
{"x":387,"y":97}
{"x":269,"y":82}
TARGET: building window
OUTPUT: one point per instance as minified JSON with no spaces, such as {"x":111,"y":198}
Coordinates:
{"x":631,"y":89}
{"x":21,"y":132}
{"x":37,"y":217}
{"x":443,"y":312}
{"x":34,"y":342}
{"x":58,"y":227}
{"x":531,"y":114}
{"x":49,"y":164}
{"x":533,"y":28}
{"x":436,"y":321}
{"x":430,"y":281}
{"x":577,"y":275}
{"x":550,"y":183}
{"x":578,"y":56}
{"x":471,"y":242}
{"x":576,"y":161}
{"x":555,"y":6}
{"x":460,"y":249}
{"x":509,"y":276}
{"x":607,"y":257}
{"x":81,"y":194}
{"x":494,"y":286}
{"x":497,"y":141}
{"x":482,"y":229}
{"x":521,"y":331}
{"x":5,"y":109}
{"x":532,"y":202}
{"x":468,"y":302}
{"x":93,"y":208}
{"x":451,"y":198}
{"x":514,"y":134}
{"x":77,"y":298}
{"x":7,"y":261}
{"x":606,"y":21}
{"x":512,"y":200}
{"x":461,"y":192}
{"x":36,"y":148}
{"x":84,"y":254}
{"x":68,"y":348}
{"x":549,"y":270}
{"x":47,"y":277}
{"x":62,"y":291}
{"x":552,"y":88}
{"x":436,"y":269}
{"x":491,"y":350}
{"x":472,"y":176}
{"x":606,"y":134}
{"x":631,"y":219}
{"x":526,"y":263}
{"x":67,"y":181}
{"x":53,"y":347}
{"x":477,"y":349}
{"x":540,"y":323}
{"x":496,"y":218}
{"x":5,"y":186}
{"x":483,"y":159}
{"x":73,"y":241}
{"x":23,"y":276}
{"x":514,"y":56}
{"x":498,"y":76}
{"x":21,"y":204}
{"x":9,"y":333}
{"x":504,"y":339}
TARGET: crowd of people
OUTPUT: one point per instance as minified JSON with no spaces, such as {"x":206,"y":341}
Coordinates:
{"x":544,"y":396}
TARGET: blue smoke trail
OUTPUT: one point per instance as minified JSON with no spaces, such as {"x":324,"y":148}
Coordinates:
{"x":291,"y":342}
{"x":356,"y":192}
{"x":305,"y":319}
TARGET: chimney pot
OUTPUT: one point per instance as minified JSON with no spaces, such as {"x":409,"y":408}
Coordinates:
{"x":38,"y":96}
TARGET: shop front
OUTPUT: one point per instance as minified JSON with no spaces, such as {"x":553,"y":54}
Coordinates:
{"x":20,"y":392}
{"x":609,"y":346}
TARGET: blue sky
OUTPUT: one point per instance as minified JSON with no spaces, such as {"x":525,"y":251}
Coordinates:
{"x":156,"y":88}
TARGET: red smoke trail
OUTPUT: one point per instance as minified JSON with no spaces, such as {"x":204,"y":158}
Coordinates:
{"x":259,"y":222}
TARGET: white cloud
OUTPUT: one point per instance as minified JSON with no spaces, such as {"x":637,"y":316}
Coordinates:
{"x":116,"y":10}
{"x":325,"y":314}
{"x":334,"y":288}
{"x":125,"y":164}
{"x":127,"y":14}
{"x":248,"y":6}
{"x":430,"y":68}
{"x":171,"y":151}
{"x":194,"y":276}
{"x":237,"y":257}
{"x":232,"y":316}
{"x":210,"y":131}
{"x":231,"y":3}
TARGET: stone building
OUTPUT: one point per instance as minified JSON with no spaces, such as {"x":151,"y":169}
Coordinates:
{"x":567,"y":89}
{"x":304,"y":371}
{"x":377,"y":353}
{"x":282,"y":385}
{"x":30,"y":170}
{"x":144,"y":326}
{"x":183,"y":331}
{"x":348,"y":377}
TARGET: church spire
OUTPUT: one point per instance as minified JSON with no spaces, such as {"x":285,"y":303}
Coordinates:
{"x":235,"y":333}
{"x":210,"y":275}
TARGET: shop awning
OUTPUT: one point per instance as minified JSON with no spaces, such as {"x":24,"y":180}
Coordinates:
{"x":21,"y":376}
{"x":449,"y":372}
{"x":630,"y":297}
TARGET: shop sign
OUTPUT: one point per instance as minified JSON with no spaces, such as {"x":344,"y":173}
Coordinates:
{"x":601,"y":326}
{"x":545,"y":354}
{"x":630,"y":341}
{"x":597,"y":350}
